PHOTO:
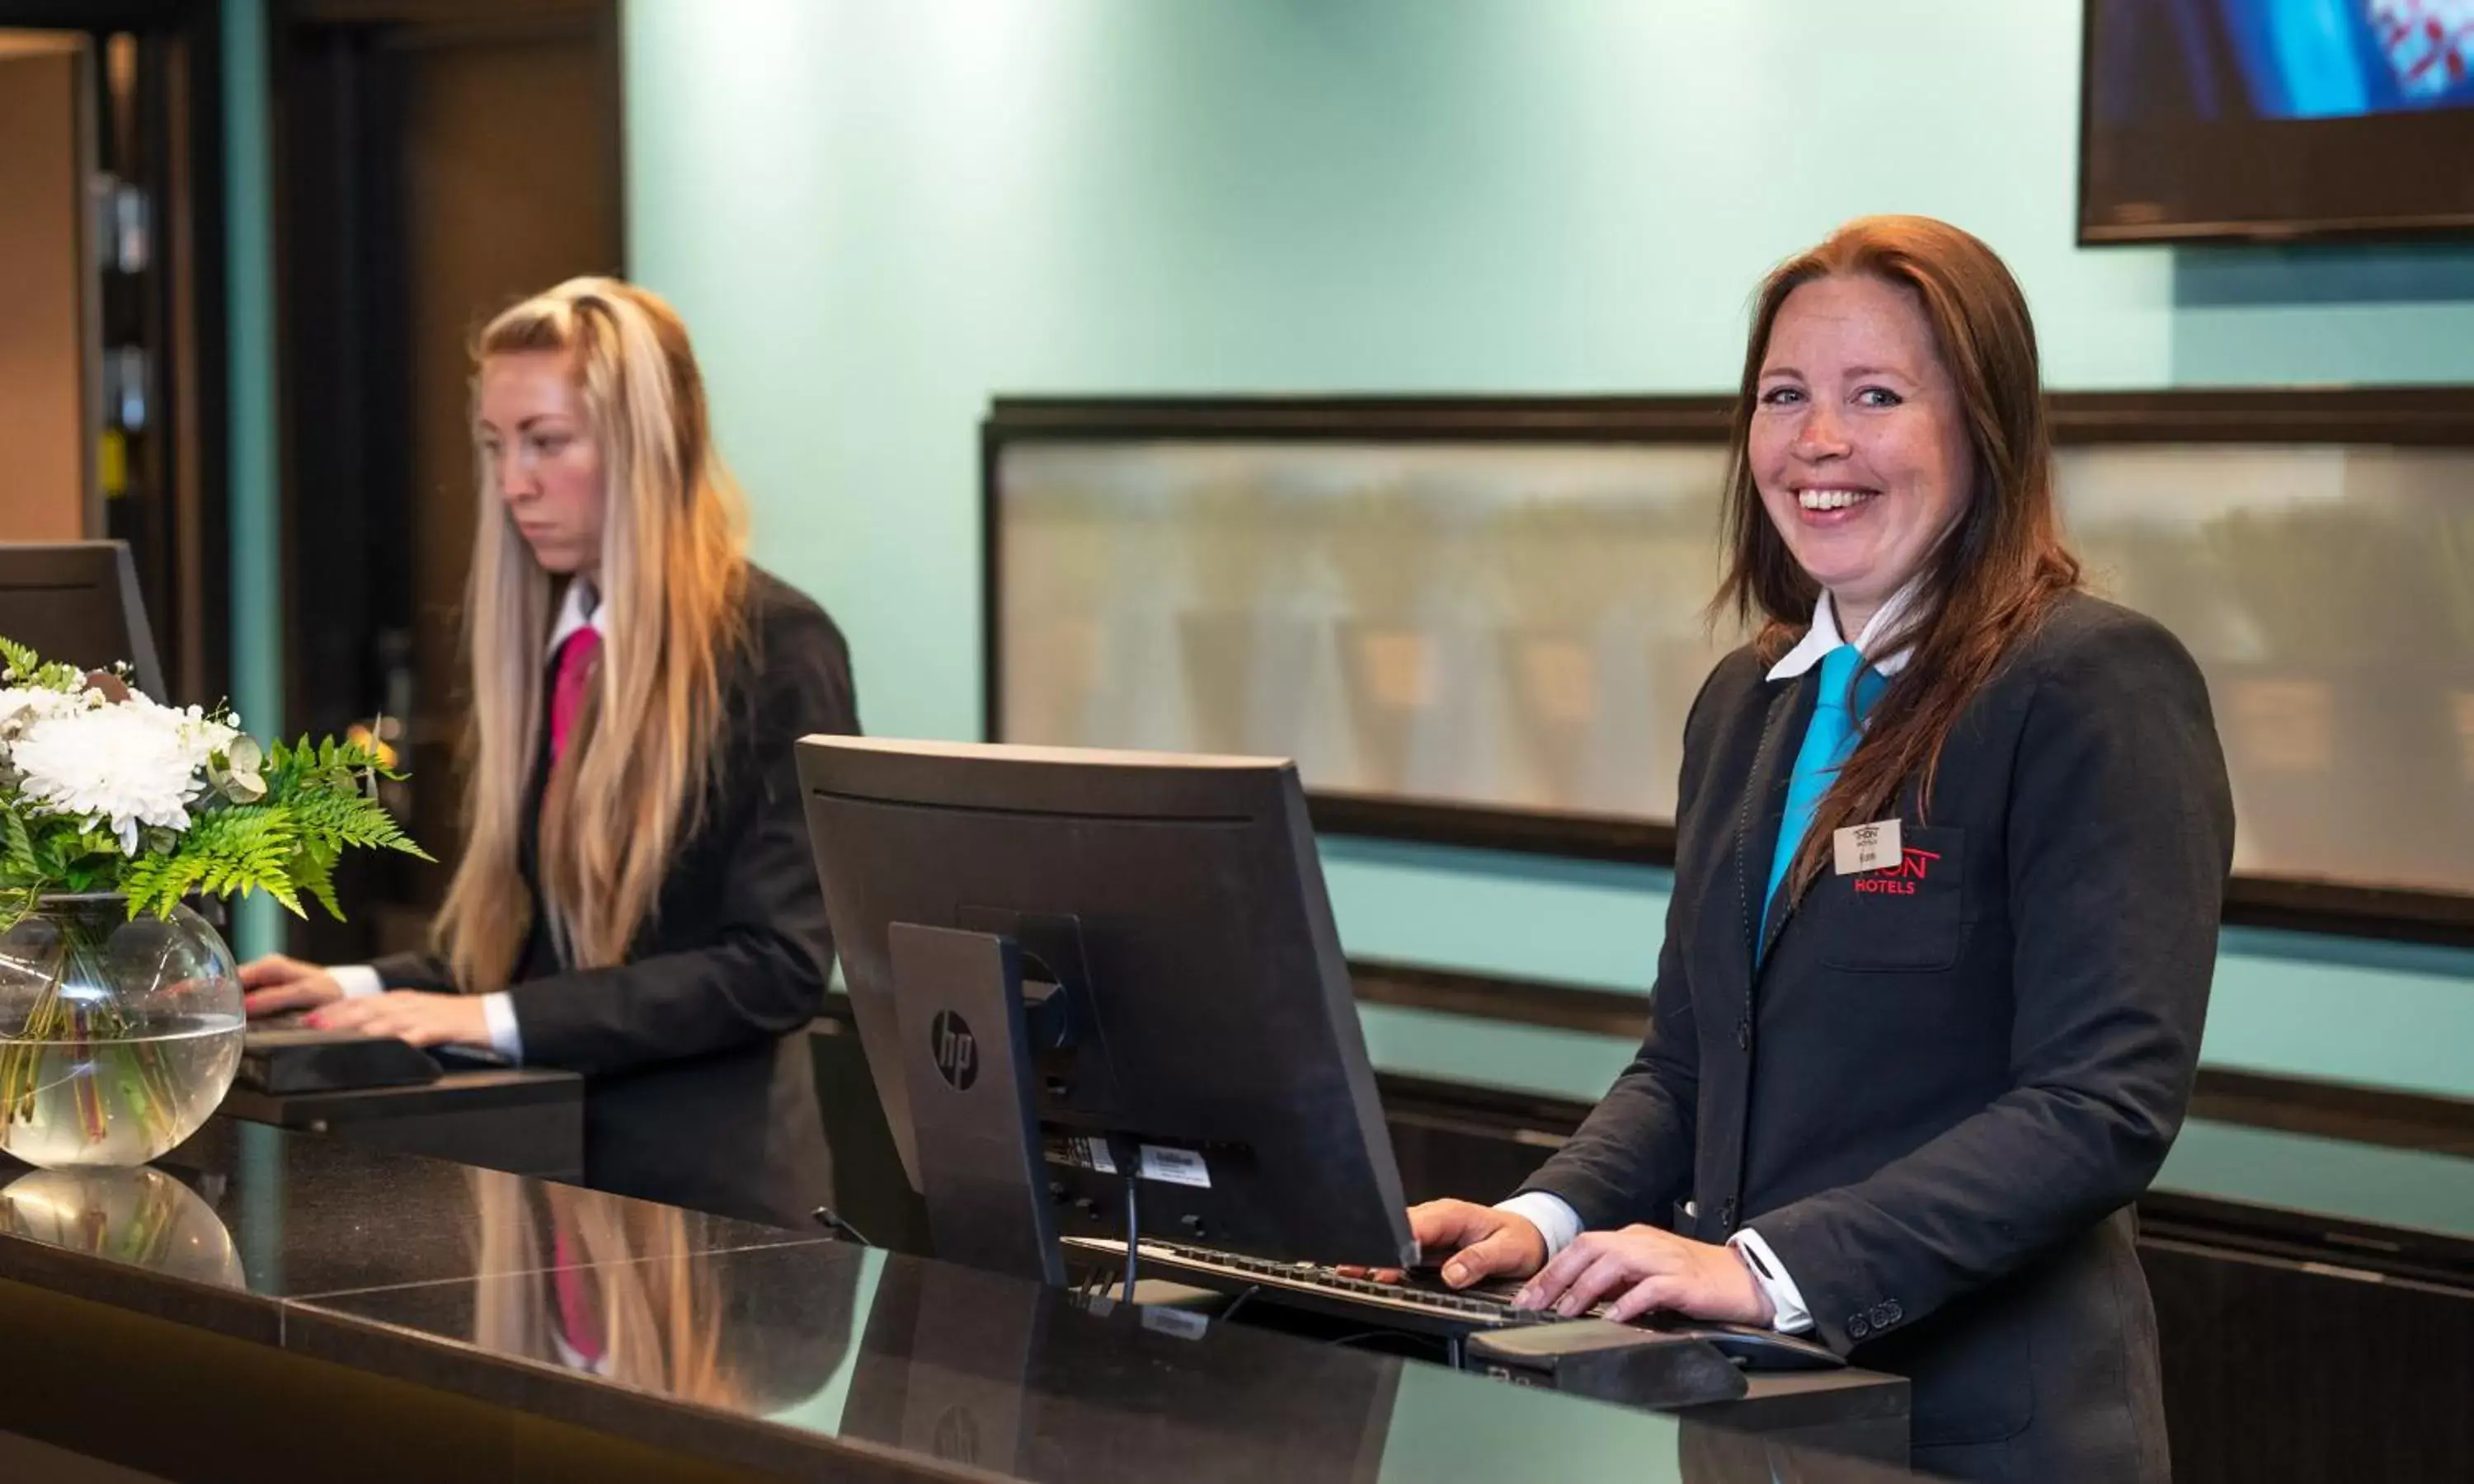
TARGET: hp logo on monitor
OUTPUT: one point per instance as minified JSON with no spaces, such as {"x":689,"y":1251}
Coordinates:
{"x":956,"y":1053}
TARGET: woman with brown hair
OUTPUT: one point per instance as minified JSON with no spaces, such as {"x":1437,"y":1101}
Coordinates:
{"x":635,"y":899}
{"x":1952,"y":840}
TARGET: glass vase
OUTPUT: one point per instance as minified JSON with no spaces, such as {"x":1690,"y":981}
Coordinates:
{"x":117,"y":1037}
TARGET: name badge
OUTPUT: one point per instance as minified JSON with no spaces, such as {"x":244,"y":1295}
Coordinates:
{"x":1870,"y":847}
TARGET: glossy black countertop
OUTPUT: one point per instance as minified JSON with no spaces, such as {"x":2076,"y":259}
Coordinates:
{"x":775,"y":1351}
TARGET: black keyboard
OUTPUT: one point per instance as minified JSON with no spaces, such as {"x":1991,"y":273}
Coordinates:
{"x":1416,"y":1303}
{"x":1421,"y":1305}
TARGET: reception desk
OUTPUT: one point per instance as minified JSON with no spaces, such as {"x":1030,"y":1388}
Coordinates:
{"x":527,"y":1119}
{"x":266,"y":1305}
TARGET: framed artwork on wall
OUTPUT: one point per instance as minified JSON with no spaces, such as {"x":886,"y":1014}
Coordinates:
{"x":1481,"y":621}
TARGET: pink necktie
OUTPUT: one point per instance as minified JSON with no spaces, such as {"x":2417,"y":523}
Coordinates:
{"x":576,"y":1319}
{"x":576,"y":659}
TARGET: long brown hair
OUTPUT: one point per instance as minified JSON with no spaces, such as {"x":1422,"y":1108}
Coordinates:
{"x":650,"y":1290}
{"x":1996,"y":573}
{"x":627,"y":789}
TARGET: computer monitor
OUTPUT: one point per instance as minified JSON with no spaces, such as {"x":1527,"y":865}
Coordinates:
{"x":1065,"y":964}
{"x":78,"y":602}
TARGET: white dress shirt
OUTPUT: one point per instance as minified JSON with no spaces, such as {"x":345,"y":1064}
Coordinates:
{"x":1554,"y":1217}
{"x":582,"y":610}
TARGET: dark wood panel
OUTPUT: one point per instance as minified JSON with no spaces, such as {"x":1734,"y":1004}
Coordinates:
{"x":2284,"y":1371}
{"x":2331,"y":1110}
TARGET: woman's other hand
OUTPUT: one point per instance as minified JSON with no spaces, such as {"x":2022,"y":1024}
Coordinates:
{"x":275,"y":984}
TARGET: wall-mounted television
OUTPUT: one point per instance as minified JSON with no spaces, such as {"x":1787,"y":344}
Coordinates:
{"x":2276,"y":119}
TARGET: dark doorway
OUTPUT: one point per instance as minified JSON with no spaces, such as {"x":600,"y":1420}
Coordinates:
{"x":436,"y":161}
{"x":112,"y":305}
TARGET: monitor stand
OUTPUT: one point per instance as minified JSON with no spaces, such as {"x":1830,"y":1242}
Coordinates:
{"x":966,"y":1060}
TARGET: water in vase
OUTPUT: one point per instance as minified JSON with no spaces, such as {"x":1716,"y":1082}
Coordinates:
{"x":98,"y":1101}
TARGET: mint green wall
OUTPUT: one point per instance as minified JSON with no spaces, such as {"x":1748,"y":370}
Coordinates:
{"x":878,"y":214}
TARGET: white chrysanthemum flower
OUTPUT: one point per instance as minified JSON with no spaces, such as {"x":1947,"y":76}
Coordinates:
{"x":26,"y":703}
{"x":133,"y":766}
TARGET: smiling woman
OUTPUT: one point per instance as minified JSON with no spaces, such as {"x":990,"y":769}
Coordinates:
{"x":1859,"y":442}
{"x":1993,"y":824}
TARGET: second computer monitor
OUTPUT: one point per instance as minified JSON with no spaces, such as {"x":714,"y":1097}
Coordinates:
{"x":1191,"y":1009}
{"x":77,"y":602}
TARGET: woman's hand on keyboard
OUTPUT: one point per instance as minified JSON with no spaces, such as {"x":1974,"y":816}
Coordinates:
{"x":275,"y":984}
{"x":1482,"y":1240}
{"x":422,"y":1018}
{"x":1639,"y":1269}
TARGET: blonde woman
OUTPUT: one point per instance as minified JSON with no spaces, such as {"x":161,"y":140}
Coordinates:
{"x":635,"y":899}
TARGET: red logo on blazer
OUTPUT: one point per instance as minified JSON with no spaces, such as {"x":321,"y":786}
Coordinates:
{"x":1898,"y":881}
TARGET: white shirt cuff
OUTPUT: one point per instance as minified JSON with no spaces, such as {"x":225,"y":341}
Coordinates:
{"x":1792,"y":1317}
{"x":1554,"y":1219}
{"x":359,"y":981}
{"x":506,"y":1038}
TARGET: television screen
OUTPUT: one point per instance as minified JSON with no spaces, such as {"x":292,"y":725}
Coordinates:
{"x":2276,"y":118}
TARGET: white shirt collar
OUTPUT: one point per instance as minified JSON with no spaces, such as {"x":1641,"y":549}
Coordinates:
{"x":582,"y":610}
{"x":1824,"y":636}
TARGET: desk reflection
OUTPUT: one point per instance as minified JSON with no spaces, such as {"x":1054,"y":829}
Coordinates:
{"x":772,"y":1351}
{"x":635,"y":1294}
{"x":140,"y":1216}
{"x":1041,"y":1384}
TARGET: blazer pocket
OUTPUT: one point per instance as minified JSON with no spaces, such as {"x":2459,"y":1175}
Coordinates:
{"x":1909,"y":918}
{"x":1972,"y":1368}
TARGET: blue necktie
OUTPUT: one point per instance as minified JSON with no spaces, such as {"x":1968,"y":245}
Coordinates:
{"x":1828,"y":743}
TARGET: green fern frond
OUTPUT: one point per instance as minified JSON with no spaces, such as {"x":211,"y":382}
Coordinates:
{"x":313,"y":871}
{"x":339,"y":820}
{"x":239,"y":849}
{"x":16,"y":845}
{"x":25,"y":667}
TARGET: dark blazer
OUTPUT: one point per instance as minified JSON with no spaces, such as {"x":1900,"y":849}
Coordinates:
{"x":1939,"y":1094}
{"x":700,"y":1091}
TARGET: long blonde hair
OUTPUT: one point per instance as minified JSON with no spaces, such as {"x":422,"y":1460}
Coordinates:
{"x":653,"y":1297}
{"x":629,"y":786}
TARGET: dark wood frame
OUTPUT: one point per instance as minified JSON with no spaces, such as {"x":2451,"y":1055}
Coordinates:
{"x":2412,"y":416}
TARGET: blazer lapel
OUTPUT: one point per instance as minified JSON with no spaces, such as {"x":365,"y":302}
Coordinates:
{"x":1757,"y":816}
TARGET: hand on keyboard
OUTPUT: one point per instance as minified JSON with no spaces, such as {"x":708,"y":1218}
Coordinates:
{"x":1640,"y":1269}
{"x":1482,"y":1242}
